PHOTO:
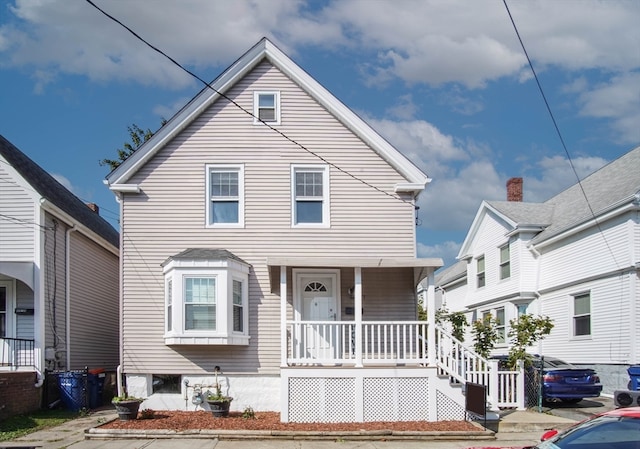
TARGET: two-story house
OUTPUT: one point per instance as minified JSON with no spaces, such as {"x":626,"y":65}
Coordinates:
{"x":574,"y":258}
{"x":269,"y":231}
{"x":58,"y":282}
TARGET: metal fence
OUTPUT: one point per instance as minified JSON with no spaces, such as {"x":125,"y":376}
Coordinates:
{"x":17,"y":352}
{"x":533,"y":384}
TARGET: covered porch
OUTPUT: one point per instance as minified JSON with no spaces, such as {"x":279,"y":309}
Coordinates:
{"x":353,"y":312}
{"x":350,"y":336}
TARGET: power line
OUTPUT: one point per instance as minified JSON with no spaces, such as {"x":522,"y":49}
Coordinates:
{"x":233,"y":102}
{"x":557,"y":128}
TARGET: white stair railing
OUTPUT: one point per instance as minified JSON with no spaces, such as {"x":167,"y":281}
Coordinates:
{"x":464,"y":365}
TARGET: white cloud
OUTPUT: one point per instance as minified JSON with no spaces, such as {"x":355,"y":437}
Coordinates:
{"x":556,"y":174}
{"x":63,"y":180}
{"x":447,"y":250}
{"x":619,"y":100}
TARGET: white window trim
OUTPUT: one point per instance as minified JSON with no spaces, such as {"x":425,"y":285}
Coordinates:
{"x":225,"y":168}
{"x":224,"y":271}
{"x":572,"y":316}
{"x":256,"y":112}
{"x":505,"y":325}
{"x":484,"y":272}
{"x":503,"y":263}
{"x":326,"y":219}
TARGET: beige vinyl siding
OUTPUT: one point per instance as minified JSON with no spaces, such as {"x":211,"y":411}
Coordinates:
{"x":24,"y":323}
{"x":54,"y":288}
{"x":94,"y":310}
{"x":169,"y":216}
{"x":17,"y":228}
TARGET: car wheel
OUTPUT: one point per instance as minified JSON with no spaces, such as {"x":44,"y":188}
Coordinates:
{"x":571,"y":400}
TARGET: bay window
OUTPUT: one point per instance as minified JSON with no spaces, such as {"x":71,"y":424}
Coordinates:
{"x":206,"y":295}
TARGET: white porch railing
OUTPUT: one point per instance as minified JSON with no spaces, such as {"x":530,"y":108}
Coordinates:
{"x":331,"y":343}
{"x":334,"y":342}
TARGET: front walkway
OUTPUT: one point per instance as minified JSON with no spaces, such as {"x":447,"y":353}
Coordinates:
{"x":72,"y":435}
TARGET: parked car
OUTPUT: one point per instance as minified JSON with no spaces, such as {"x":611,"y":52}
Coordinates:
{"x":615,"y":429}
{"x":561,"y":380}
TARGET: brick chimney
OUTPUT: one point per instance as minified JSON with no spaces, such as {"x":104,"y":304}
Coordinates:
{"x":514,"y":189}
{"x":94,"y":207}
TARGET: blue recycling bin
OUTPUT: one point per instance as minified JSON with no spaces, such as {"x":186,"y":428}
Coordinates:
{"x":96,"y":379}
{"x":73,"y":390}
{"x":634,"y":374}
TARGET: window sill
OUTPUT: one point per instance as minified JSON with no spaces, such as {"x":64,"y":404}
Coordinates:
{"x":235,"y":340}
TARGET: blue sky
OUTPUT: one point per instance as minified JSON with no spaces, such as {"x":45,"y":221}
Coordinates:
{"x":445,"y":81}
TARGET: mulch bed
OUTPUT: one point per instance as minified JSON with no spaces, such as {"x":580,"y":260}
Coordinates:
{"x":181,"y":420}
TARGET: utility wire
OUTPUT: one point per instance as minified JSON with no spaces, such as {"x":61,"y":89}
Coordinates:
{"x":233,"y":102}
{"x":557,"y":128}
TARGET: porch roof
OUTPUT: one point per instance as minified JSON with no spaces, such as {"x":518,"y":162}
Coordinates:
{"x":422,"y":266}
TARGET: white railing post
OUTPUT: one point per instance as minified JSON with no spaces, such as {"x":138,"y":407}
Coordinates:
{"x":357,"y":302}
{"x":520,"y":386}
{"x":283,"y":317}
{"x":494,"y":393}
{"x":431,"y":319}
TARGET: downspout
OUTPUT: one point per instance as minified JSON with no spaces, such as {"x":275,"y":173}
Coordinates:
{"x":67,"y":295}
{"x":537,"y":256}
{"x":119,"y":373}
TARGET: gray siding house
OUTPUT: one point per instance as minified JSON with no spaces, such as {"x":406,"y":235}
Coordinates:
{"x":574,"y":258}
{"x":58,"y":275}
{"x":269,"y":232}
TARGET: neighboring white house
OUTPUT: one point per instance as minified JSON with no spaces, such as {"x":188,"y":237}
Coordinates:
{"x":58,"y":275}
{"x":280,"y":249}
{"x":574,"y":258}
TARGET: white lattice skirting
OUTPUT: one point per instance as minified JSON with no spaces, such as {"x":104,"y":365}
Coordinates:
{"x":359,"y":395}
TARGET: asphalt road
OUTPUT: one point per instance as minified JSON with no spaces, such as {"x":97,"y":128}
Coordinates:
{"x":580,"y":411}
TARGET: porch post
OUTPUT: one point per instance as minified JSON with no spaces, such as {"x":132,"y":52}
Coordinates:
{"x":283,"y":316}
{"x":431,"y":319}
{"x":357,"y":303}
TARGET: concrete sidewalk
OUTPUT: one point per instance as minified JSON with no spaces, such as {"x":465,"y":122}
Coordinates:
{"x":517,"y":428}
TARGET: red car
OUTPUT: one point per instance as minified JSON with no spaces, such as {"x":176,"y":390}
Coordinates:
{"x":615,"y":429}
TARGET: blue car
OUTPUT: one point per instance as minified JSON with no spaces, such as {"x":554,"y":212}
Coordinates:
{"x":560,"y":380}
{"x":564,"y":381}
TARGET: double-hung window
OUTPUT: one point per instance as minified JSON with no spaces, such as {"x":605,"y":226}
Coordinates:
{"x":310,"y":195}
{"x":480,"y":275}
{"x":500,"y":326}
{"x":582,"y":315}
{"x":505,"y":262}
{"x":199,"y":303}
{"x":266,"y":107}
{"x":225,"y":195}
{"x":207,"y":299}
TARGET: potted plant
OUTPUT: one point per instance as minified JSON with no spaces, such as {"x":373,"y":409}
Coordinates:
{"x":127,"y":406}
{"x":218,"y":403}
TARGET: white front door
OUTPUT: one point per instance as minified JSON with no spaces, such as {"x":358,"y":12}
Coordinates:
{"x":318,"y":304}
{"x":6,"y":321}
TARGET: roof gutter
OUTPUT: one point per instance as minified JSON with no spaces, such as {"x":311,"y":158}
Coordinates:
{"x":630,"y":203}
{"x":72,"y":222}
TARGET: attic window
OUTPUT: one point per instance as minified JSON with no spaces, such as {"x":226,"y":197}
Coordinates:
{"x":266,"y":107}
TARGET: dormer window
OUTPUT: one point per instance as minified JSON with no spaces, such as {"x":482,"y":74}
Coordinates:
{"x":266,"y":107}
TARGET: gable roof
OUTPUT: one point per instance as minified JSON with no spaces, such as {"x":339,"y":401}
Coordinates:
{"x":264,"y":49}
{"x":54,"y":192}
{"x":613,"y":186}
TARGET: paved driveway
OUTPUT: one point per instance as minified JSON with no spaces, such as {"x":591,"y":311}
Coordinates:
{"x":582,"y":410}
